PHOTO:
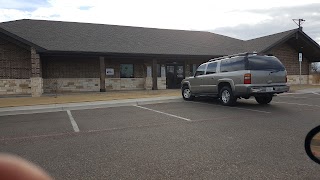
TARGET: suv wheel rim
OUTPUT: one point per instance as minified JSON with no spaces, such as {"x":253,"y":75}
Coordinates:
{"x":187,"y":93}
{"x":225,"y":96}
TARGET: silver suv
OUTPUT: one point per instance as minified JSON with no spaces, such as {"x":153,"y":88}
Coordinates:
{"x":238,"y":76}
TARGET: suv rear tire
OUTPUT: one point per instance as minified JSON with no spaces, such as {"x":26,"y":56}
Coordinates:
{"x":226,"y":96}
{"x":265,"y":99}
{"x":186,"y":93}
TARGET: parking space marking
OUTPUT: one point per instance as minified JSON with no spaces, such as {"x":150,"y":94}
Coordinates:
{"x":315,"y":93}
{"x":186,"y":119}
{"x":267,"y":112}
{"x":294,"y":97}
{"x":310,"y":105}
{"x":287,"y":94}
{"x":73,"y":122}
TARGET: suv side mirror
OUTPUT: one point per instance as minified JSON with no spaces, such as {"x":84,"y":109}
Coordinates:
{"x":312,"y":144}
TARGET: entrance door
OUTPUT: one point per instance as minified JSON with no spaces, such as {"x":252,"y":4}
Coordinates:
{"x":175,"y":74}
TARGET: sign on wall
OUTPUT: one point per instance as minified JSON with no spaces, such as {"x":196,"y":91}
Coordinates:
{"x":109,"y":71}
{"x":300,"y":57}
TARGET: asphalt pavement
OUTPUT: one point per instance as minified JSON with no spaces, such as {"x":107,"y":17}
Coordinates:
{"x":170,"y":139}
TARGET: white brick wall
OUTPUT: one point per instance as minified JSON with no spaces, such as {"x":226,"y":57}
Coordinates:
{"x":294,"y":79}
{"x":162,"y":83}
{"x":91,"y":84}
{"x":71,"y":85}
{"x":15,"y":86}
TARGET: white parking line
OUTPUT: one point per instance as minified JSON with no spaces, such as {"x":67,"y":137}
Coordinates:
{"x":285,"y":94}
{"x":73,"y":122}
{"x":186,"y":119}
{"x":292,"y":97}
{"x":315,"y":93}
{"x":310,"y":105}
{"x":267,"y":112}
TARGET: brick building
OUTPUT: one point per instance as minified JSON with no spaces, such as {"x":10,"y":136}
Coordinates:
{"x":39,"y":56}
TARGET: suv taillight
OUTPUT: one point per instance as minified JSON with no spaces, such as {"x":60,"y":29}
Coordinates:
{"x":286,"y":79}
{"x":247,"y":78}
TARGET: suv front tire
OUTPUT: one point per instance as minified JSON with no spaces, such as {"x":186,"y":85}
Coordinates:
{"x":186,"y":93}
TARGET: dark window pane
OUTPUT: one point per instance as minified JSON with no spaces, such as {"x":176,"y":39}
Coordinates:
{"x":232,"y":64}
{"x":200,"y":70}
{"x":264,"y":63}
{"x":126,"y":70}
{"x":211,"y":68}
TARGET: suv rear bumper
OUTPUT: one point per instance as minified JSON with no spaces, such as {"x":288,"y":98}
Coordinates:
{"x":249,"y":90}
{"x":268,"y":89}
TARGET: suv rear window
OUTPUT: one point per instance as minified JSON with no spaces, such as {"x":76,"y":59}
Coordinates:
{"x":264,"y":63}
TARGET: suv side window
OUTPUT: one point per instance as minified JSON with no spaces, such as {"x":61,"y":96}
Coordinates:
{"x":232,"y":64}
{"x":200,"y":70}
{"x":212,"y":68}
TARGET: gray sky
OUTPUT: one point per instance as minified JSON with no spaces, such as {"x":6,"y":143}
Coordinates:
{"x":243,"y":19}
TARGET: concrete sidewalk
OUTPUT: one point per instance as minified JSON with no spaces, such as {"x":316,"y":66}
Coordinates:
{"x":47,"y":99}
{"x":84,"y":105}
{"x":89,"y":100}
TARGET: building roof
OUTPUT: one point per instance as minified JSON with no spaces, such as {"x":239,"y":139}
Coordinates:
{"x":57,"y":36}
{"x":85,"y":37}
{"x":263,"y":43}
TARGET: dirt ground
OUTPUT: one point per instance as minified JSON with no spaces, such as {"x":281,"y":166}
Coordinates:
{"x":84,"y":97}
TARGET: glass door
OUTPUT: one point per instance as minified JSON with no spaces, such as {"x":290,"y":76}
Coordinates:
{"x":175,"y":74}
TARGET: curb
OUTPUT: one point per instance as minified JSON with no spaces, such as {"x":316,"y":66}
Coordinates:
{"x":84,"y":105}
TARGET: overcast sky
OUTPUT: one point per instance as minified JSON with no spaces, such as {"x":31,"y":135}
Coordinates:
{"x":239,"y":19}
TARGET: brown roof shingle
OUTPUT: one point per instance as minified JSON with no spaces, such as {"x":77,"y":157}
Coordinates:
{"x":85,"y":37}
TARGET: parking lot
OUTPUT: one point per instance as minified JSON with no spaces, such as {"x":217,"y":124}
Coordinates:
{"x":170,"y":140}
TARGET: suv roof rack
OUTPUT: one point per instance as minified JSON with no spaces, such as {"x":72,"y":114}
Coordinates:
{"x":233,"y":55}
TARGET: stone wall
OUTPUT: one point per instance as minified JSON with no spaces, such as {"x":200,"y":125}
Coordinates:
{"x":314,"y":79}
{"x":148,"y":83}
{"x":125,"y":83}
{"x":71,"y":85}
{"x":15,"y":86}
{"x":294,"y":79}
{"x":91,"y":84}
{"x":162,"y":83}
{"x":36,"y":86}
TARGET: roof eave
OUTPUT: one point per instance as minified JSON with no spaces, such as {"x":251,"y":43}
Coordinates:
{"x":22,"y":40}
{"x":284,"y":39}
{"x":96,"y":54}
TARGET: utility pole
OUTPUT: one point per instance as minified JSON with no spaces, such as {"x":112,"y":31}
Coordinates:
{"x":299,"y":22}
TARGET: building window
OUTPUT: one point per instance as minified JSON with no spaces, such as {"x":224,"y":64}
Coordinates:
{"x":126,"y":70}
